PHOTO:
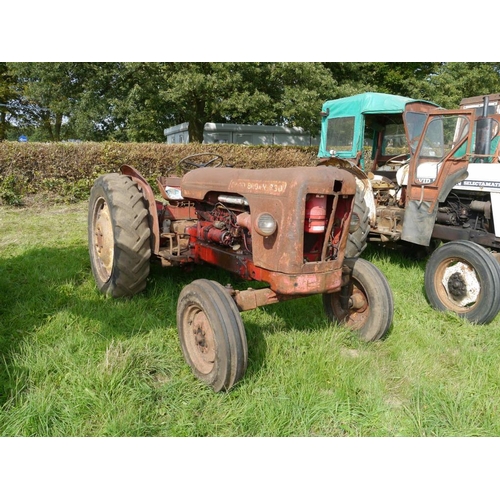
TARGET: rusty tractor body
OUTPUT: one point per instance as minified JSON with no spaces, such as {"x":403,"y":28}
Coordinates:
{"x":434,"y":177}
{"x":286,"y":228}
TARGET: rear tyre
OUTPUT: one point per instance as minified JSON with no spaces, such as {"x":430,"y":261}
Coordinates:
{"x":370,"y":307}
{"x":359,"y":228}
{"x":212,"y":334}
{"x":118,"y":236}
{"x":463,"y":277}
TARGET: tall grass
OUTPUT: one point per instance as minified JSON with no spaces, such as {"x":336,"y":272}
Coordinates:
{"x":74,"y":363}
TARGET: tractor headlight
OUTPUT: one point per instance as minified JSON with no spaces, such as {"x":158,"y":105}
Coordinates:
{"x":265,"y":224}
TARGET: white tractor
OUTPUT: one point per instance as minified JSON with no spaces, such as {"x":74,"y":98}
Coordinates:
{"x":430,"y":184}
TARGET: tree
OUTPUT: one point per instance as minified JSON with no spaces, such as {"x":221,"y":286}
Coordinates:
{"x":121,"y":101}
{"x":456,"y":80}
{"x":263,"y":93}
{"x":443,"y":83}
{"x":136,"y":101}
{"x":8,"y":96}
{"x":48,"y":92}
{"x":400,"y":78}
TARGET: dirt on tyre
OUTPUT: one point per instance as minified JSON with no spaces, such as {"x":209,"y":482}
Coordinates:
{"x":119,"y":236}
{"x":370,"y":306}
{"x":464,"y":277}
{"x":212,"y":334}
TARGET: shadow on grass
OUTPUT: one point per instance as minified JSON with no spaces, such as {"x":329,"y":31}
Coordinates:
{"x":404,"y":256}
{"x":40,"y":283}
{"x":34,"y":287}
{"x":303,"y":315}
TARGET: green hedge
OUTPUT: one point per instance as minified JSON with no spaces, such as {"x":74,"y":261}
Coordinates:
{"x":66,"y":171}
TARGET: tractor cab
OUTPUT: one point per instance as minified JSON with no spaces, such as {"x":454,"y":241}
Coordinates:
{"x":483,"y":105}
{"x":373,"y":130}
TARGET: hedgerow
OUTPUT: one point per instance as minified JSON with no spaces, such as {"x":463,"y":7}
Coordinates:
{"x":66,"y":171}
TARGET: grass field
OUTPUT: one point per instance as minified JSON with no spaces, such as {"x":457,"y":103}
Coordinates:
{"x":74,"y":363}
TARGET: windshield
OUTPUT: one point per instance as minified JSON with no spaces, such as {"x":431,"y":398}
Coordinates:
{"x":444,"y":134}
{"x":415,"y":124}
{"x":394,"y":140}
{"x":340,"y":134}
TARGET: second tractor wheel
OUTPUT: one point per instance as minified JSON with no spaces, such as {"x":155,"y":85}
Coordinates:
{"x":118,"y":236}
{"x":463,"y":277}
{"x":212,"y":334}
{"x":368,"y":307}
{"x":359,"y":228}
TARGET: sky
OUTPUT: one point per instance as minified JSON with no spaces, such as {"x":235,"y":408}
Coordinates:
{"x":223,"y":30}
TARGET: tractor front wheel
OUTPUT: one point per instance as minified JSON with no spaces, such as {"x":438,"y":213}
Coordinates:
{"x":212,"y":334}
{"x":118,"y":236}
{"x":368,"y":307}
{"x":464,"y":277}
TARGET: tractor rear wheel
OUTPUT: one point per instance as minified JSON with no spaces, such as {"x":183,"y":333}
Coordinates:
{"x":464,"y":277}
{"x":370,"y":306}
{"x":212,"y":334}
{"x":118,"y":236}
{"x":359,"y":228}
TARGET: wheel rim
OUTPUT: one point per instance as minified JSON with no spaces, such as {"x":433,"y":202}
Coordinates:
{"x":457,"y":285}
{"x":103,"y":240}
{"x":359,"y":308}
{"x":199,"y":339}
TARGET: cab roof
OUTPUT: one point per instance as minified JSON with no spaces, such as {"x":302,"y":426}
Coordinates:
{"x":367,"y":103}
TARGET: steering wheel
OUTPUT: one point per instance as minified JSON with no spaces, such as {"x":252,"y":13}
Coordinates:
{"x":394,"y":158}
{"x":201,"y":160}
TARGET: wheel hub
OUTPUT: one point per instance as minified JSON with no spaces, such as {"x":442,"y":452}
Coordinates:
{"x":201,"y":342}
{"x":103,"y":240}
{"x":358,"y":301}
{"x":457,"y":286}
{"x":461,"y":284}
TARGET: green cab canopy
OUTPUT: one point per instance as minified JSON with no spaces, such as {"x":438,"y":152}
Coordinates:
{"x":357,"y":106}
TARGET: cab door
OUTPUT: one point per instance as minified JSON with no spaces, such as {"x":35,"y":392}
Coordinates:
{"x":415,"y":115}
{"x":440,"y":161}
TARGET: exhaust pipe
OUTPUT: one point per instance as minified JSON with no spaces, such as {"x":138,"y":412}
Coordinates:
{"x":483,"y":132}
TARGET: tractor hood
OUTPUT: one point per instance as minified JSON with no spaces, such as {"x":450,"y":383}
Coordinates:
{"x":283,"y":194}
{"x":267,"y":182}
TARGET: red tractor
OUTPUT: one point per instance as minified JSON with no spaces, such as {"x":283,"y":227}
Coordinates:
{"x":286,"y":228}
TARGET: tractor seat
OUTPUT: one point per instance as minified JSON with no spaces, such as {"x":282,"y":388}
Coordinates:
{"x":170,"y":188}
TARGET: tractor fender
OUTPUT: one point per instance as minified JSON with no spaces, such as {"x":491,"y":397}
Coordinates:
{"x":420,"y":216}
{"x":364,"y":189}
{"x":451,"y":181}
{"x":154,"y":222}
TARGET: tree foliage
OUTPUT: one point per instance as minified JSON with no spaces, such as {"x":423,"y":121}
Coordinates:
{"x":454,"y":81}
{"x":8,"y":98}
{"x":136,"y":101}
{"x":262,"y":93}
{"x":47,"y":93}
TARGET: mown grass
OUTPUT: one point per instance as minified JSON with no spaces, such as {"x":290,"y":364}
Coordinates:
{"x":74,"y":363}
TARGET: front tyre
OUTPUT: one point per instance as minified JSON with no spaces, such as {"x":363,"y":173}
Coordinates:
{"x":369,"y":308}
{"x":212,"y":334}
{"x":463,"y":277}
{"x":118,"y":236}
